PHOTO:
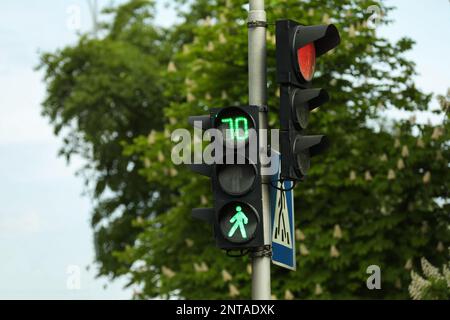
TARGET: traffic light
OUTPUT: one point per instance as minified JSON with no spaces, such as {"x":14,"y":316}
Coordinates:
{"x":235,"y":177}
{"x":297,"y":48}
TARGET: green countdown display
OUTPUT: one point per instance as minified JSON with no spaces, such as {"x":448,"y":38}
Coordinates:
{"x":235,"y":125}
{"x":237,"y":128}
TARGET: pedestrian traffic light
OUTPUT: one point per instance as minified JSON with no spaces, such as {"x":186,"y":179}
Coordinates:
{"x":235,"y":177}
{"x":297,"y":48}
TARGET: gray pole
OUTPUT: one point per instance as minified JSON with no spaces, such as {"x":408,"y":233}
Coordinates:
{"x":258,"y":97}
{"x":94,"y":14}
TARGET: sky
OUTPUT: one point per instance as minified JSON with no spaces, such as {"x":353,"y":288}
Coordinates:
{"x":45,"y":236}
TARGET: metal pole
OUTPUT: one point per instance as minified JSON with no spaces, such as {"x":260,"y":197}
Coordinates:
{"x":258,"y":97}
{"x":94,"y":14}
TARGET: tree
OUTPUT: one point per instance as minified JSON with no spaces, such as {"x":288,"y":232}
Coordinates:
{"x":378,"y":197}
{"x":102,"y":93}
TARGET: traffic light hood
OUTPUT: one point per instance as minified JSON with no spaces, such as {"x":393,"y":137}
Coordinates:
{"x":313,"y":97}
{"x":315,"y":144}
{"x":325,"y":37}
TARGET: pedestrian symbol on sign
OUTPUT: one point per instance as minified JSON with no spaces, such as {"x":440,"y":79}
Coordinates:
{"x":282,"y":228}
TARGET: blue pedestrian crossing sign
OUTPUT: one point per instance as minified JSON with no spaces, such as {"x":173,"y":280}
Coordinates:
{"x":282,"y":218}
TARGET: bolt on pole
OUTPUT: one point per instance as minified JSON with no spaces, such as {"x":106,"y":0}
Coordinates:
{"x":257,"y":23}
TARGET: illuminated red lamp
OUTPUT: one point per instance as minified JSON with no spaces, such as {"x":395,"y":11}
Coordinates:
{"x":306,"y":57}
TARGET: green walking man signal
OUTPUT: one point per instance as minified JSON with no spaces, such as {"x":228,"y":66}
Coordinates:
{"x":239,"y":219}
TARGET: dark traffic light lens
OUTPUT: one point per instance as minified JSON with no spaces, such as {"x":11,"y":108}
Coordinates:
{"x":238,"y":222}
{"x":235,"y":125}
{"x":302,"y":115}
{"x":236,"y":179}
{"x":303,"y":162}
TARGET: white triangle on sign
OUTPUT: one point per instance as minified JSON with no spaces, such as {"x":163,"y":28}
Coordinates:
{"x":281,"y":232}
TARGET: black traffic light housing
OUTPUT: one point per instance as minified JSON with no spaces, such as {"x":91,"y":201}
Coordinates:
{"x":236,"y":187}
{"x":297,"y":48}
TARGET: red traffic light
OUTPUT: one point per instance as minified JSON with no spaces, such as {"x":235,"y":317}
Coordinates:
{"x":306,"y":58}
{"x":297,"y":48}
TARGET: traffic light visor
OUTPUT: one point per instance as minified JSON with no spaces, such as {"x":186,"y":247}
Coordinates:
{"x":324,"y":37}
